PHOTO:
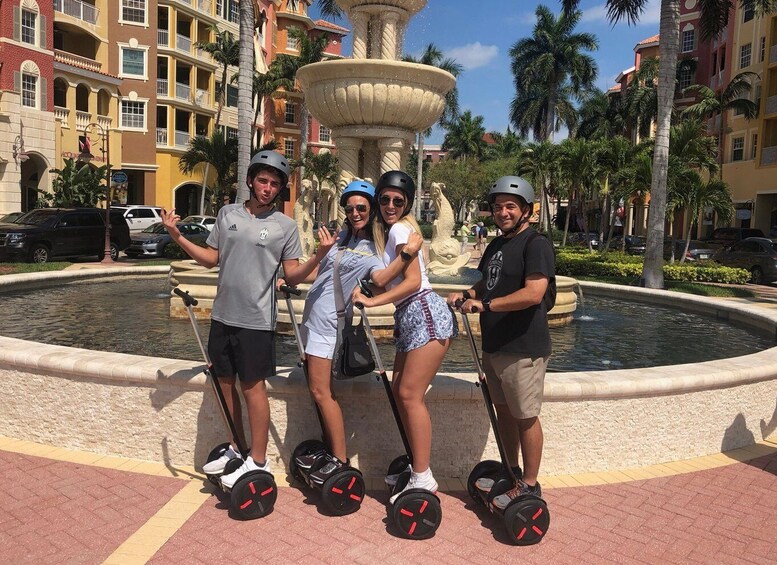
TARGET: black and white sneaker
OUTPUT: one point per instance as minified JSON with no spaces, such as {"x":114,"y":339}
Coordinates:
{"x":330,"y":467}
{"x":306,"y":462}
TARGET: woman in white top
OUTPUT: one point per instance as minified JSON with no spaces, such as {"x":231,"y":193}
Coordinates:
{"x":423,"y":323}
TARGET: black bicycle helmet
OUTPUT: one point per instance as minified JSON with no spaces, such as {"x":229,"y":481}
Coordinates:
{"x":401,"y":181}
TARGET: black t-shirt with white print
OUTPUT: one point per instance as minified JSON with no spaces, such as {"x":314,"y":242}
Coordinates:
{"x":522,"y":332}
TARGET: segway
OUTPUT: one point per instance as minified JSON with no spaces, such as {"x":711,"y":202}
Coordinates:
{"x":253,"y":495}
{"x":343,"y":492}
{"x":416,"y":512}
{"x":526,"y":517}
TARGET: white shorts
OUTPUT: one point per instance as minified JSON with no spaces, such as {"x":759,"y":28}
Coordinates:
{"x":318,"y":345}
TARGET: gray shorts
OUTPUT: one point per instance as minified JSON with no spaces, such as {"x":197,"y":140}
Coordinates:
{"x":516,"y":381}
{"x":421,"y":318}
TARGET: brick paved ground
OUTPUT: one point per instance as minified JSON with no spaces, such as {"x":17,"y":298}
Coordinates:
{"x":58,"y":512}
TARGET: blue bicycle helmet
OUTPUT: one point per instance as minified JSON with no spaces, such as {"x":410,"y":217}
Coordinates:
{"x":361,"y":187}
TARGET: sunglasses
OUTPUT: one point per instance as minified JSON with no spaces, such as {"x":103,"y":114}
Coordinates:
{"x":359,"y":208}
{"x":386,"y":200}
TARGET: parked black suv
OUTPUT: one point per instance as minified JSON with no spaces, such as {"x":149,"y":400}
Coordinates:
{"x":728,"y":236}
{"x":44,"y":233}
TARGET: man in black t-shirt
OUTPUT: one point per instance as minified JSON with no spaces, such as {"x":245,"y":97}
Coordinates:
{"x":517,"y":267}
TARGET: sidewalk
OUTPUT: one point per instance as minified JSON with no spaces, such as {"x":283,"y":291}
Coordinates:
{"x":62,"y":506}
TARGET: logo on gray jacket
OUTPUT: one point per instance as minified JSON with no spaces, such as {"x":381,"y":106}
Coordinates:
{"x":233,"y":227}
{"x":264,"y":233}
{"x":493,"y":270}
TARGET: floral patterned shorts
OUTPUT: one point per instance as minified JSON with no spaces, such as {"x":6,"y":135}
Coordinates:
{"x":421,"y":318}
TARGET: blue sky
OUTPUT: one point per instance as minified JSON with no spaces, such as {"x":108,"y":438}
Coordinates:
{"x":481,"y":43}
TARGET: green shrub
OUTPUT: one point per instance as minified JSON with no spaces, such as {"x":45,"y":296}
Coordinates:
{"x":426,"y":230}
{"x":174,"y":251}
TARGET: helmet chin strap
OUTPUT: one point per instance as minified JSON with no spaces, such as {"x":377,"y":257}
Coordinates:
{"x":524,"y":219}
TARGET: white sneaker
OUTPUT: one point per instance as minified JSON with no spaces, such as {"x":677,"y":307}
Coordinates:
{"x":391,"y":480}
{"x":216,"y":466}
{"x":423,"y":480}
{"x":228,"y":481}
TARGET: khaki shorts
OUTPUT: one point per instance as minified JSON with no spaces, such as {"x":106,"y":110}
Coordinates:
{"x":516,"y":381}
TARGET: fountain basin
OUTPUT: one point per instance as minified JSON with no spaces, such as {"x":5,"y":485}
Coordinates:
{"x":373,"y":92}
{"x":163,"y":410}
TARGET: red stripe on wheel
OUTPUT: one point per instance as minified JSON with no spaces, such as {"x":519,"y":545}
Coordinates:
{"x":355,"y":497}
{"x":350,"y":485}
{"x":423,"y":507}
{"x":265,"y":492}
{"x":246,"y":504}
{"x":252,"y":487}
{"x":539,"y":511}
{"x":406,"y":512}
{"x":523,"y":532}
{"x":412,"y":529}
{"x":337,"y":490}
{"x":537,"y":530}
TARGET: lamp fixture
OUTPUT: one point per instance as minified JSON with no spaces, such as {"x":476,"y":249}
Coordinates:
{"x":19,"y":154}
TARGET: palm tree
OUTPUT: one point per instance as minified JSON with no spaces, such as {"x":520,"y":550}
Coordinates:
{"x":216,"y":151}
{"x":324,"y":169}
{"x":714,"y":18}
{"x":465,"y":137}
{"x":246,"y":66}
{"x":505,"y":144}
{"x":696,"y":195}
{"x":717,"y":104}
{"x":432,"y":56}
{"x":538,"y":161}
{"x":614,"y":156}
{"x":580,"y":158}
{"x":600,"y":115}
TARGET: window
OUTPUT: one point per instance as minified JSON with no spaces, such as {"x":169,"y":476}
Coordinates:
{"x":232,"y":96}
{"x":291,"y":42}
{"x":234,"y":12}
{"x":737,"y":148}
{"x":324,"y":134}
{"x":744,"y":55}
{"x":288,"y":148}
{"x":689,"y":40}
{"x":762,"y":50}
{"x":29,"y":90}
{"x":231,"y":133}
{"x":28,"y":26}
{"x":133,"y":11}
{"x":686,"y":78}
{"x":291,"y":116}
{"x":754,"y":146}
{"x":133,"y":62}
{"x":748,"y":10}
{"x":133,"y":114}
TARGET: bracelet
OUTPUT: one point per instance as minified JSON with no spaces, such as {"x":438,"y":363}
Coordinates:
{"x":406,"y":256}
{"x":467,"y":295}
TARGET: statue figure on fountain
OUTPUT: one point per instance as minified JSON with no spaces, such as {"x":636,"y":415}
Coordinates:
{"x":445,"y":254}
{"x":304,"y":221}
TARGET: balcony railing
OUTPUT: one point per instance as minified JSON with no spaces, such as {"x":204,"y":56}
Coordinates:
{"x":76,"y":61}
{"x":161,"y":136}
{"x":183,"y":92}
{"x":204,"y":6}
{"x":163,"y":38}
{"x":183,"y":43}
{"x":182,"y":138}
{"x":77,"y":9}
{"x":202,"y":97}
{"x":773,"y":54}
{"x":62,"y":115}
{"x":82,"y":119}
{"x":769,"y":155}
{"x":104,"y":122}
{"x":162,"y":87}
{"x":771,"y":105}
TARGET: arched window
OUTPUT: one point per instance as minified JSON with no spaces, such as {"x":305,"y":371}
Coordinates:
{"x":29,"y":26}
{"x":31,"y":86}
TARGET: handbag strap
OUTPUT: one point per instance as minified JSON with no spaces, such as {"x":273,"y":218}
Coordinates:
{"x":338,"y":285}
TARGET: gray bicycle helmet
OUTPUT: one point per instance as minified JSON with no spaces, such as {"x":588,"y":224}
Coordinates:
{"x":271,"y":159}
{"x":515,"y":186}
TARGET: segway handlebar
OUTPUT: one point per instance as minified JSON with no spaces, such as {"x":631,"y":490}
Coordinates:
{"x":287,"y":289}
{"x":188,"y":299}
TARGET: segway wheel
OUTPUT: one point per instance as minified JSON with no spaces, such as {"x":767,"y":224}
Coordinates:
{"x":343,"y":493}
{"x":305,"y":448}
{"x":214,"y":454}
{"x":417,"y":514}
{"x":487,"y":468}
{"x":254,"y":495}
{"x":397,"y":467}
{"x":527,"y":520}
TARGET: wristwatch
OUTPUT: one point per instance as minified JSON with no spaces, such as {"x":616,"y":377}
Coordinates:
{"x":406,"y":256}
{"x":486,"y":304}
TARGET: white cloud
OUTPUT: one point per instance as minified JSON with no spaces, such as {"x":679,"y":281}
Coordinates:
{"x":473,"y":55}
{"x":650,"y":16}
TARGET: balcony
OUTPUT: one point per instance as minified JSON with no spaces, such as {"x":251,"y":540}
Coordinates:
{"x":183,"y":43}
{"x":771,"y":105}
{"x":161,"y":136}
{"x":202,"y":97}
{"x":104,"y":122}
{"x":77,"y":9}
{"x":62,"y":115}
{"x":163,"y":38}
{"x":769,"y":155}
{"x":162,"y":87}
{"x":183,"y":92}
{"x":83,"y":119}
{"x":76,"y":61}
{"x":182,"y":139}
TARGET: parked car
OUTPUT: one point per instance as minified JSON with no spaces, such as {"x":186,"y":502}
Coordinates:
{"x":10,"y":218}
{"x":723,"y":237}
{"x":634,"y":244}
{"x":697,"y":250}
{"x":153,"y":240}
{"x":756,"y":254}
{"x":44,"y":233}
{"x":204,"y":221}
{"x":581,"y":239}
{"x":140,"y":217}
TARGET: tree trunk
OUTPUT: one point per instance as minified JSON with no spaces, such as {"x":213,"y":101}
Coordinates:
{"x":245,"y":96}
{"x":303,"y":140}
{"x":652,"y":270}
{"x":566,"y":222}
{"x":419,"y":175}
{"x":219,"y":107}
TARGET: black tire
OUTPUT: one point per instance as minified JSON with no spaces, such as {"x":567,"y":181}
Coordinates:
{"x":527,"y":520}
{"x":253,"y":495}
{"x":397,"y":466}
{"x":482,"y":469}
{"x":343,"y":492}
{"x":40,"y":253}
{"x":756,"y":275}
{"x":114,"y":251}
{"x":417,"y":514}
{"x":306,"y":447}
{"x":214,"y":454}
{"x":131,"y":255}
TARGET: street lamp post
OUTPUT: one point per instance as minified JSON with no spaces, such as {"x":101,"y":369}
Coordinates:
{"x":87,"y":156}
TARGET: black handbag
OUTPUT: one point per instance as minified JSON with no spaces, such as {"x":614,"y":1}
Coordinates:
{"x":352,"y":356}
